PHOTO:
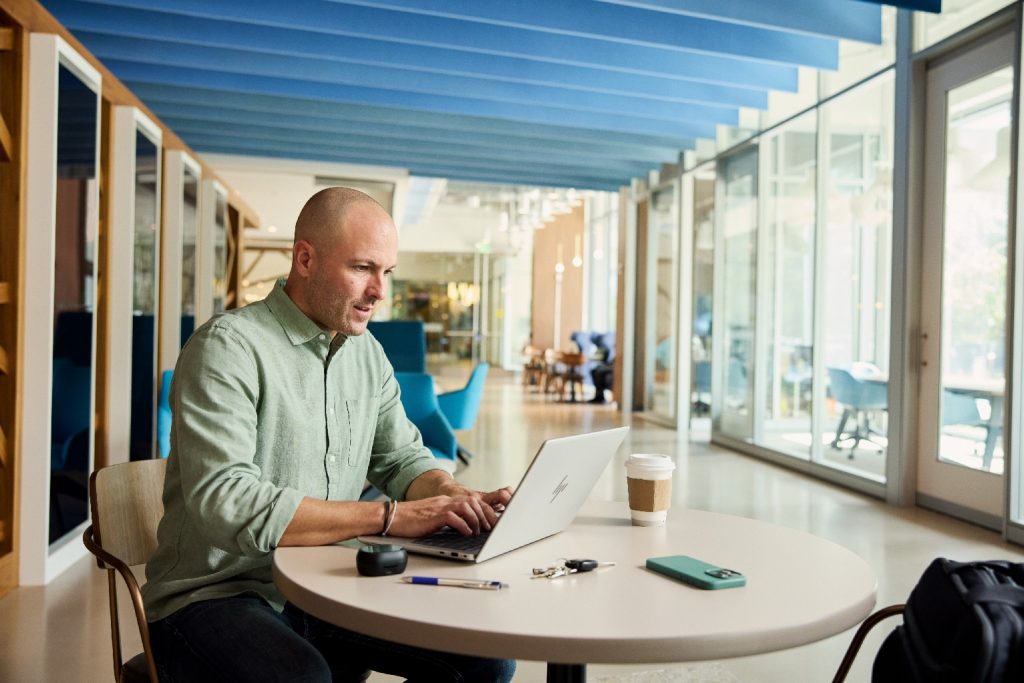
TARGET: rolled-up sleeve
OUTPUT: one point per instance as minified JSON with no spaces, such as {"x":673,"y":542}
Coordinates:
{"x":215,"y":397}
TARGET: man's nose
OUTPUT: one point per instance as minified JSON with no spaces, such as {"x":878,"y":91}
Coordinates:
{"x":375,"y":287}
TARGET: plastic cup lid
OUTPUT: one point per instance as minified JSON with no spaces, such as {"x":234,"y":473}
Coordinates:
{"x":650,"y":461}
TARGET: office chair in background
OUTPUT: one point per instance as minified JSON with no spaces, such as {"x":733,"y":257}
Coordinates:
{"x":461,"y":406}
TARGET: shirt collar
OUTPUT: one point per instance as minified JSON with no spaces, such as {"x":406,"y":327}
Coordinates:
{"x":297,"y":325}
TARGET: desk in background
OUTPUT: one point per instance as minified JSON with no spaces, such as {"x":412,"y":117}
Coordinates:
{"x":800,"y":589}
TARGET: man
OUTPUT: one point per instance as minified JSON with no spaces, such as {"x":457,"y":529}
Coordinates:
{"x":281,"y":411}
{"x":602,"y":373}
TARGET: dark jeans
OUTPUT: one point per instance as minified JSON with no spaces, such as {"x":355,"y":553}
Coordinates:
{"x":244,"y":639}
{"x":602,"y":378}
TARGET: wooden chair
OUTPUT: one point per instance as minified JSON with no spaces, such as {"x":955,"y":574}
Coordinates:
{"x":127,"y":505}
{"x":554,"y":373}
{"x":533,"y":366}
{"x":571,"y":376}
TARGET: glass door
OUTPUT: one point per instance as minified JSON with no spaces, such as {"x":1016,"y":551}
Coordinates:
{"x":964,"y":288}
{"x":736,"y":279}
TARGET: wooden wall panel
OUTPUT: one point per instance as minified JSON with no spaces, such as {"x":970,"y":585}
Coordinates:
{"x":13,"y":48}
{"x":563,"y":230}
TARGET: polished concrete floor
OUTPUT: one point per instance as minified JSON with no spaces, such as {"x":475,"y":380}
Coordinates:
{"x":61,"y":632}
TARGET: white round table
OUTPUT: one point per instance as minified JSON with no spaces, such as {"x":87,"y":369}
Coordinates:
{"x":800,"y":589}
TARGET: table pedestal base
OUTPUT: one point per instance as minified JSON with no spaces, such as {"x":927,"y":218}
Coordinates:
{"x":567,"y":673}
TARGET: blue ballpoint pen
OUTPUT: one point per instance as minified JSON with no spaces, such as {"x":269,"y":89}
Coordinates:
{"x":483,"y":584}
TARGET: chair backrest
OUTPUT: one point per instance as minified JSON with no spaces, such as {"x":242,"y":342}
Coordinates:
{"x":605,"y":340}
{"x":959,"y":409}
{"x":404,"y":342}
{"x":461,"y":406}
{"x":127,"y":504}
{"x":856,"y":393}
{"x":421,"y":407}
{"x":163,"y":414}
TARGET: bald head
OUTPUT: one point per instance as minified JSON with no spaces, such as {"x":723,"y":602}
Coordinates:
{"x":323,"y":218}
{"x":345,"y":247}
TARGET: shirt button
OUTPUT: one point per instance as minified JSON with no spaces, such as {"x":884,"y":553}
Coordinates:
{"x":323,"y":336}
{"x":331,"y":411}
{"x":330,"y":458}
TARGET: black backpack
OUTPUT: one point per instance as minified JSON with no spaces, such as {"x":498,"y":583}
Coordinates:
{"x":963,"y":623}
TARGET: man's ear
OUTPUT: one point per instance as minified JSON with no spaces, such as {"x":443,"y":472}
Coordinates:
{"x":303,"y":257}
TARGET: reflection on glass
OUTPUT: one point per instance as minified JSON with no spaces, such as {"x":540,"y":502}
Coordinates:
{"x":739,"y":248}
{"x":974,"y":261}
{"x":189,"y":231}
{"x":446,"y":309}
{"x":664,"y":258}
{"x":788,"y":193}
{"x":220,"y":254}
{"x":74,"y":283}
{"x":956,"y":15}
{"x":856,"y":258}
{"x":144,"y":298}
{"x":703,"y":287}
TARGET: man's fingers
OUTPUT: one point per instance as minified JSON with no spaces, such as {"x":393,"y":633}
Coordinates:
{"x":499,"y":497}
{"x":456,"y":522}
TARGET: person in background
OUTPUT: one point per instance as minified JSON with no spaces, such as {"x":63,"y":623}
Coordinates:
{"x":281,"y":410}
{"x":602,"y":374}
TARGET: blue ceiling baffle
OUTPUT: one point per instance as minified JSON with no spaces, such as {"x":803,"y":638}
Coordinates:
{"x":580,"y":93}
{"x":934,"y":6}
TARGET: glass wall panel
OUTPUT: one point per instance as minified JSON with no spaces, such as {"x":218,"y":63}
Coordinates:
{"x":703,"y":287}
{"x":738,"y":246}
{"x":145,"y":301}
{"x":856,"y":261}
{"x":956,"y":15}
{"x":74,"y":299}
{"x":600,"y":261}
{"x":782,"y":105}
{"x":663,"y":288}
{"x":189,"y":234}
{"x":787,"y":276}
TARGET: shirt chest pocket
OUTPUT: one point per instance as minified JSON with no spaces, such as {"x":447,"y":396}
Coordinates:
{"x":361,"y":415}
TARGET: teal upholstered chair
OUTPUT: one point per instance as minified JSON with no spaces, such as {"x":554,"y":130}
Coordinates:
{"x":404,"y":342}
{"x":422,"y":409}
{"x":461,"y":406}
{"x":163,"y":414}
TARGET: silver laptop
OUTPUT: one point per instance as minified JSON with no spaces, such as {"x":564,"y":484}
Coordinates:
{"x":547,"y":499}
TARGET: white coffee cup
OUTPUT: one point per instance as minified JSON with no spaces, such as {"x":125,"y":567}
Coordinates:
{"x":649,"y":483}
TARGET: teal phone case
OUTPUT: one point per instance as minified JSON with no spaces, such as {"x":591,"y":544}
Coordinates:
{"x":694,"y":572}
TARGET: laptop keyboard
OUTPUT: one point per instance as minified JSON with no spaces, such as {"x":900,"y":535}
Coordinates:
{"x":450,"y":539}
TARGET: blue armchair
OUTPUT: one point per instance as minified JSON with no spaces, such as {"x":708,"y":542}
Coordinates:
{"x":461,"y":406}
{"x":163,"y":414}
{"x":423,"y":410}
{"x":404,"y":342}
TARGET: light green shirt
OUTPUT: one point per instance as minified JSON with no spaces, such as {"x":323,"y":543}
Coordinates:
{"x":268,"y":410}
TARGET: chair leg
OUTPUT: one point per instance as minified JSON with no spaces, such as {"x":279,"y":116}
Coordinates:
{"x":840,"y":428}
{"x":860,"y":635}
{"x":464,"y":455}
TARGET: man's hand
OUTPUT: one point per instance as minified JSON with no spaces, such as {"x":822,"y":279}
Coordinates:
{"x":435,"y":500}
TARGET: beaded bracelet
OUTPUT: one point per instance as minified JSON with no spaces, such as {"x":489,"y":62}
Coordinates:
{"x":392,"y":511}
